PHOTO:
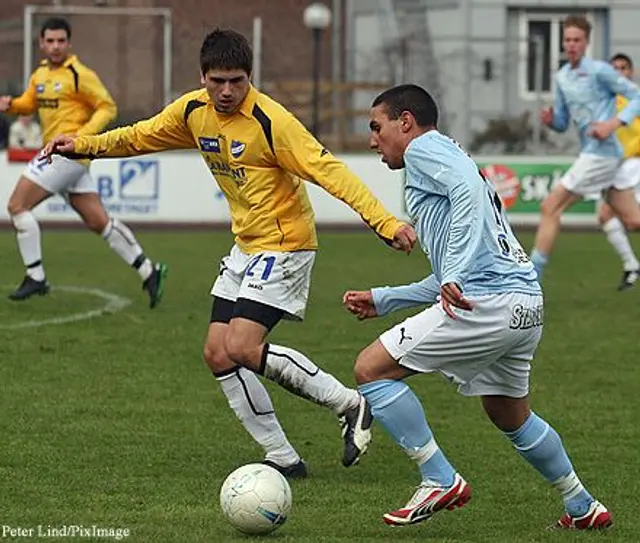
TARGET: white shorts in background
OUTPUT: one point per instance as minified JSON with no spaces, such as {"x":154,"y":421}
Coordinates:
{"x":590,"y":174}
{"x":279,"y":280}
{"x":486,"y":351}
{"x":628,"y":175}
{"x":61,"y":175}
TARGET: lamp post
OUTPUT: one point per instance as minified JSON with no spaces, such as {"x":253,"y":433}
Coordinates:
{"x":317,"y":17}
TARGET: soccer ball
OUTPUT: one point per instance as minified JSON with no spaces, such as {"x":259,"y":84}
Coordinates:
{"x":256,"y":499}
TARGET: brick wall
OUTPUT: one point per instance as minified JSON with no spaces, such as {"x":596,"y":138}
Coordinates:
{"x":127,"y":52}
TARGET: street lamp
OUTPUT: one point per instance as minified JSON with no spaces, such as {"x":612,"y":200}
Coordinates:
{"x":317,"y":17}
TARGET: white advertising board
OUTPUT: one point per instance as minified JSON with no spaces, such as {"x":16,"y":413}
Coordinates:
{"x":176,"y":187}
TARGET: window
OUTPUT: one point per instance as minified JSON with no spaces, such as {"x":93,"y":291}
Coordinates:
{"x":539,"y":35}
{"x":544,"y":29}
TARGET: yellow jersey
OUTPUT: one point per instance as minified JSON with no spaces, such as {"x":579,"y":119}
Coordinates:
{"x":628,"y":136}
{"x":70,"y":99}
{"x":259,"y":156}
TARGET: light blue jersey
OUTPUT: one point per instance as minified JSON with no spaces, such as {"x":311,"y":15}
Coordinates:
{"x":461,"y":225}
{"x":586,"y":94}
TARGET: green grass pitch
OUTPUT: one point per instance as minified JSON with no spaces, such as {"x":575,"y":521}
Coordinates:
{"x":116,"y":421}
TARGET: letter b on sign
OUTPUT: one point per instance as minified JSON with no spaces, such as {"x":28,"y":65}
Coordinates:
{"x":105,"y":187}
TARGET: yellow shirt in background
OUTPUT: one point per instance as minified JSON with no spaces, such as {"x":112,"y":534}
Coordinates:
{"x":628,"y":136}
{"x":70,"y":99}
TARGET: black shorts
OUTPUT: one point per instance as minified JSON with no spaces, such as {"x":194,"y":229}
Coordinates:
{"x":223,"y":310}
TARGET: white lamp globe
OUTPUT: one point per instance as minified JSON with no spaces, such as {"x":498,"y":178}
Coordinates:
{"x":317,"y":16}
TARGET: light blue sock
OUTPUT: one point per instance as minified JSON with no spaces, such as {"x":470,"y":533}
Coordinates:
{"x":397,"y":408}
{"x":539,"y":261}
{"x":541,"y":446}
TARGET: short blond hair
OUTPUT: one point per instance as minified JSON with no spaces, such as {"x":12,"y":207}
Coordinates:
{"x":579,"y":21}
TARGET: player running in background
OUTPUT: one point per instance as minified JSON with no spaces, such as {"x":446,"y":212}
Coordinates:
{"x":483,"y":333}
{"x":627,"y":177}
{"x":585,"y":92}
{"x":259,"y":154}
{"x":69,"y":98}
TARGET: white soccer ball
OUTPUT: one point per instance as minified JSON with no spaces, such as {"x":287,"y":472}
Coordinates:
{"x":256,"y":499}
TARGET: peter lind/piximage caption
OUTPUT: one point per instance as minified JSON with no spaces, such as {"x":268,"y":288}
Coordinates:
{"x":67,"y":530}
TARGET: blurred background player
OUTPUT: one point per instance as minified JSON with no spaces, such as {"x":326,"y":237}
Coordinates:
{"x":593,"y":172}
{"x":259,"y":154}
{"x":69,"y":98}
{"x":483,"y":333}
{"x":627,"y":177}
{"x":25,"y":133}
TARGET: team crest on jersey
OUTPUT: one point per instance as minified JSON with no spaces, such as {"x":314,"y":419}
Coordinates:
{"x":40,"y":88}
{"x":237,"y":148}
{"x":57,"y":86}
{"x":209,"y":145}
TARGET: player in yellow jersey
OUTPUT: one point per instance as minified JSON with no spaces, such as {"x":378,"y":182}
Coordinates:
{"x":627,"y":177}
{"x":259,"y":153}
{"x":69,"y":98}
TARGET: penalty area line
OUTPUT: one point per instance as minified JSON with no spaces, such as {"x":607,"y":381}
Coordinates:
{"x":113,"y":304}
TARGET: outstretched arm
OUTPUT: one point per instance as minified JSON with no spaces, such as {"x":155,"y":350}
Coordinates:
{"x":165,"y":131}
{"x":384,"y":300}
{"x":298,"y":152}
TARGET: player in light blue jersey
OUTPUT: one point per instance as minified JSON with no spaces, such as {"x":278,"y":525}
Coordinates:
{"x":484,"y":326}
{"x":627,"y":177}
{"x":585,"y":93}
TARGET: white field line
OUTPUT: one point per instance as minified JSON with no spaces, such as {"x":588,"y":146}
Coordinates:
{"x":113,"y":304}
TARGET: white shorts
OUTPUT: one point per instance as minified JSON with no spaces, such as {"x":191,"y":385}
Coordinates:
{"x":628,"y":175}
{"x":61,"y":175}
{"x":486,"y":351}
{"x":279,"y":280}
{"x":590,"y":174}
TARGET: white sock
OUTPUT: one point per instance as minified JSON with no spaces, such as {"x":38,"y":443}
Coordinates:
{"x":569,"y":486}
{"x":251,"y":403}
{"x":28,"y":235}
{"x":124,"y":243}
{"x":617,"y":236}
{"x":295,"y":372}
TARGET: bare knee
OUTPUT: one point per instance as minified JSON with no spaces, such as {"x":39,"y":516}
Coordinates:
{"x":216,"y":357}
{"x":96,"y":226}
{"x":244,"y":343}
{"x":508,"y":414}
{"x":15,"y":207}
{"x":550,"y":209}
{"x":375,"y":363}
{"x":25,"y":196}
{"x":96,"y":222}
{"x":243,"y":351}
{"x":605,"y":215}
{"x":558,"y":200}
{"x":363,"y":371}
{"x":632,"y":224}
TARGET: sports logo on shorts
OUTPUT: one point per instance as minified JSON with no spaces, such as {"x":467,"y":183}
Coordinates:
{"x":237,"y":148}
{"x":523,"y":318}
{"x":403,"y":336}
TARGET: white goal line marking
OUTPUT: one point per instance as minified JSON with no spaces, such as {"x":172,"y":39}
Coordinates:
{"x":114,"y":303}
